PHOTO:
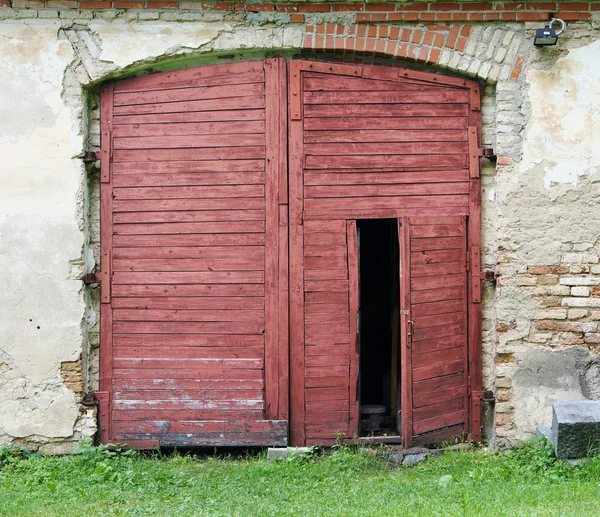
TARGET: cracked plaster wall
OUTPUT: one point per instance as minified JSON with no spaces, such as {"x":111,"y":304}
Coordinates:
{"x":533,"y":208}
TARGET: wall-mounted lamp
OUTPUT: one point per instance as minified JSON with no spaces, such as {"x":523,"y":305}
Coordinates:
{"x":547,"y":35}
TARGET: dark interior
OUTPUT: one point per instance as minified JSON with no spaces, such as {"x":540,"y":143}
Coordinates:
{"x":379,"y":315}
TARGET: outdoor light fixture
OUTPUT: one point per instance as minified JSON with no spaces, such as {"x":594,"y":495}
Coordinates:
{"x":547,"y":35}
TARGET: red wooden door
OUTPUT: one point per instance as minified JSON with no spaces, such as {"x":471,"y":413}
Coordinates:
{"x":434,"y":328}
{"x":368,"y":142}
{"x":194,"y":257}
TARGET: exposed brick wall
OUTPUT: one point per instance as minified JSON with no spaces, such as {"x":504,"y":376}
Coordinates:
{"x":364,"y":12}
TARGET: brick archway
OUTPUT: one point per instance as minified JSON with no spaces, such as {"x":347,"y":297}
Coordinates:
{"x":489,"y":53}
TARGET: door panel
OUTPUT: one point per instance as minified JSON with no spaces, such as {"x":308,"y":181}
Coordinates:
{"x":434,"y":343}
{"x":194,"y":338}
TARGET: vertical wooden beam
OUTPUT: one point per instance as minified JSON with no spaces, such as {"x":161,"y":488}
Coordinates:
{"x":273,"y":140}
{"x":405,"y":338}
{"x":296,"y":294}
{"x":353,"y":284}
{"x":284,"y":320}
{"x":475,"y":311}
{"x":106,"y":244}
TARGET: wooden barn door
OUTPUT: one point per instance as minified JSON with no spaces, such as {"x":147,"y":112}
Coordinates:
{"x":376,"y":142}
{"x":434,"y":328}
{"x":194,"y":257}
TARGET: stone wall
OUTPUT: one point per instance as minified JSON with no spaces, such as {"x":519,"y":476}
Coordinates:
{"x":541,"y":222}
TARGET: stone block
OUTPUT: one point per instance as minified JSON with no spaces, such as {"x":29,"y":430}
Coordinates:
{"x":580,"y":291}
{"x":277,"y":453}
{"x":580,"y":280}
{"x":413,"y":459}
{"x":575,"y":428}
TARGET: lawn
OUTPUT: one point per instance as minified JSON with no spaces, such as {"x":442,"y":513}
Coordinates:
{"x":525,"y":482}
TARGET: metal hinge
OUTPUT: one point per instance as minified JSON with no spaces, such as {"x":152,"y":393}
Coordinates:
{"x":91,"y":157}
{"x":488,"y":276}
{"x":488,"y":152}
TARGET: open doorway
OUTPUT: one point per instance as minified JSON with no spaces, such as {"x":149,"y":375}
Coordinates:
{"x":379,"y":335}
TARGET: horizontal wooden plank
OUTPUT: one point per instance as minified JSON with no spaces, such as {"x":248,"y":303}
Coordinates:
{"x":187,"y":414}
{"x":437,"y":243}
{"x":328,"y":371}
{"x":423,"y":333}
{"x":211,"y":227}
{"x":325,"y":251}
{"x":187,"y":395}
{"x":446,"y":420}
{"x":385,"y":135}
{"x":326,"y":82}
{"x":387,"y":178}
{"x":327,"y":318}
{"x":199,"y":252}
{"x":206,"y":154}
{"x":223,"y":91}
{"x":227,"y":73}
{"x":189,"y":179}
{"x":383,"y":110}
{"x":201,"y":264}
{"x":319,"y":239}
{"x":326,"y":285}
{"x":327,"y":350}
{"x":227,"y":341}
{"x":326,"y":416}
{"x":444,"y":268}
{"x":439,"y":307}
{"x":189,"y":216}
{"x":126,"y":405}
{"x":325,"y":308}
{"x":189,"y":315}
{"x":189,"y":142}
{"x":188,"y":290}
{"x":437,"y":282}
{"x":188,"y":384}
{"x":326,"y":430}
{"x":328,"y":405}
{"x":438,"y":396}
{"x":327,"y":329}
{"x":244,"y":439}
{"x":422,"y":161}
{"x":424,"y":189}
{"x":188,"y":373}
{"x":318,"y":340}
{"x":231,"y":103}
{"x":189,"y":128}
{"x":325,"y":262}
{"x":381,"y":213}
{"x":320,"y":297}
{"x":439,"y":343}
{"x":347,"y":204}
{"x":186,"y":167}
{"x":437,"y":230}
{"x":183,"y":192}
{"x":314,"y":394}
{"x":191,"y":277}
{"x":385,"y":148}
{"x":438,"y":409}
{"x":453,"y":318}
{"x":420,"y":360}
{"x":192,"y":117}
{"x":437,"y":256}
{"x":440,"y":383}
{"x":191,"y":352}
{"x":435,"y":99}
{"x":438,"y":370}
{"x":188,"y":363}
{"x":199,"y":426}
{"x":326,"y":382}
{"x":386,"y":123}
{"x":312,"y":361}
{"x":207,"y":302}
{"x":190,"y":240}
{"x":326,"y":274}
{"x":188,"y":327}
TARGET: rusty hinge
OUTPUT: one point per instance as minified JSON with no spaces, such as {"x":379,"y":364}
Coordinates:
{"x":91,"y":157}
{"x":488,"y":396}
{"x":488,"y":152}
{"x":89,"y":399}
{"x":91,"y":278}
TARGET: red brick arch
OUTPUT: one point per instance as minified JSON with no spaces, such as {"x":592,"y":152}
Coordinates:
{"x":412,"y":43}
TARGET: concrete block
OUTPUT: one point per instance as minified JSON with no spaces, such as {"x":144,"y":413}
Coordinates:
{"x":277,"y":453}
{"x":575,"y":428}
{"x":413,"y":459}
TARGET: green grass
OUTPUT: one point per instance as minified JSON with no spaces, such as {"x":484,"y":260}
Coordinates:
{"x":525,"y":482}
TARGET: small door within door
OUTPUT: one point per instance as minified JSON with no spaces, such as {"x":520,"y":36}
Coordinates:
{"x":434,"y":329}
